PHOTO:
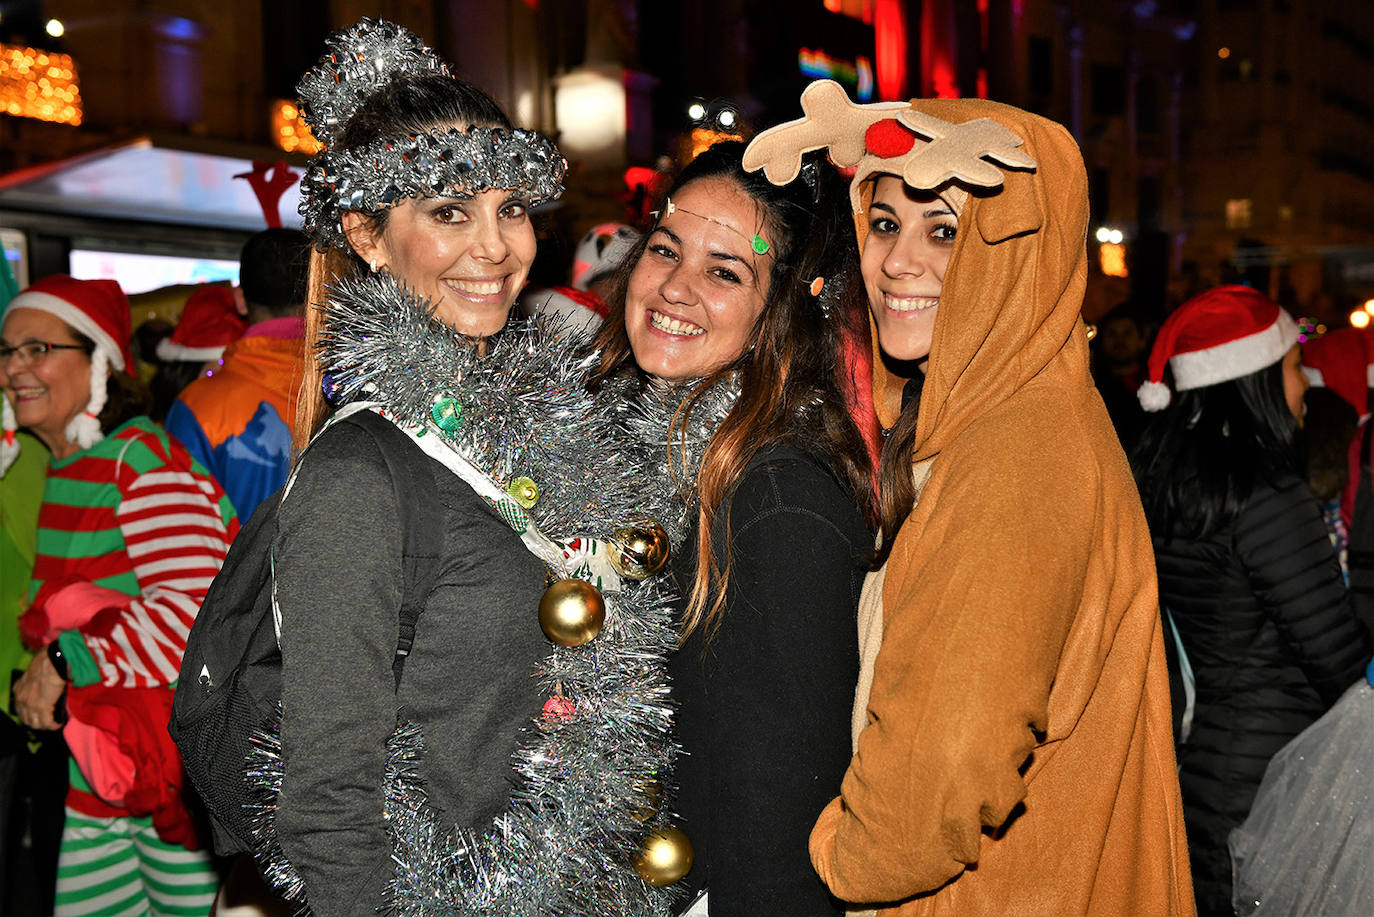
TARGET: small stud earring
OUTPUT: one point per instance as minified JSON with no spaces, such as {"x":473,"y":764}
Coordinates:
{"x":373,"y":265}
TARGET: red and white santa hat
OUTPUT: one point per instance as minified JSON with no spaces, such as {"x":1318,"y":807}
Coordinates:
{"x":97,"y":309}
{"x":1223,"y":334}
{"x":209,"y":322}
{"x":1338,"y":361}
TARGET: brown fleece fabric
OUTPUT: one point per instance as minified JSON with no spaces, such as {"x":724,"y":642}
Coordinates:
{"x":1018,"y":754}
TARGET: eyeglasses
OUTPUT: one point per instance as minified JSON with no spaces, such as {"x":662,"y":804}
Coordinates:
{"x":31,"y":353}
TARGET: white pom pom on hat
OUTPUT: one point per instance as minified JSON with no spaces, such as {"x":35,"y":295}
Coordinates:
{"x":1222,"y":334}
{"x":1154,"y":396}
{"x":97,"y":309}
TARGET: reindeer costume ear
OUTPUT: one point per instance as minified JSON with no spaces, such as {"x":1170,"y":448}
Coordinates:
{"x":887,"y":137}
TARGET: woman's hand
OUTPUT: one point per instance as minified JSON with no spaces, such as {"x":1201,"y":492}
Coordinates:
{"x":36,"y":693}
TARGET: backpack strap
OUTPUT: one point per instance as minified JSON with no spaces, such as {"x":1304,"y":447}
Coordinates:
{"x":422,"y":527}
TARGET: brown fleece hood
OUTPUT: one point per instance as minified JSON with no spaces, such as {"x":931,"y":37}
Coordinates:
{"x":1014,"y":747}
{"x":1009,"y":308}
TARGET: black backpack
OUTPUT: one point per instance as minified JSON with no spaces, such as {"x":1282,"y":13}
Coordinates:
{"x":230,"y":681}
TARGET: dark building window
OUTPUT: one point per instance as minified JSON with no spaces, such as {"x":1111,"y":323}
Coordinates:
{"x":1041,"y":65}
{"x":1109,"y":90}
{"x":293,"y":37}
{"x":1148,"y":204}
{"x":1236,"y":70}
{"x":1099,"y":195}
{"x":1147,"y":106}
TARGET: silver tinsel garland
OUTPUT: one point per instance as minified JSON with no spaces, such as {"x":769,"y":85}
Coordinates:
{"x":358,"y":61}
{"x":668,"y":436}
{"x":586,"y":789}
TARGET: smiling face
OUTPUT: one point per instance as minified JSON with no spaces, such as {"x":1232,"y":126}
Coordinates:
{"x":468,"y":256}
{"x":910,"y":237}
{"x":699,"y":288}
{"x":49,"y":393}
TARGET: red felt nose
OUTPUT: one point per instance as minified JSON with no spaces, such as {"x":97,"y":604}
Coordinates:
{"x":888,"y":138}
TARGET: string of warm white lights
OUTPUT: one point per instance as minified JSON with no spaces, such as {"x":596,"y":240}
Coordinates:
{"x":39,"y":84}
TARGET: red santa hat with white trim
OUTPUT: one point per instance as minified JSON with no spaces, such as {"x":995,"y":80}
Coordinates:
{"x":97,"y":309}
{"x":1338,"y":360}
{"x":209,"y":322}
{"x":1217,"y":336}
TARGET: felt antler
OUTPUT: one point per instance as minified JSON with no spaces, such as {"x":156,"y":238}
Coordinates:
{"x":886,"y":137}
{"x":957,"y":151}
{"x":831,"y":120}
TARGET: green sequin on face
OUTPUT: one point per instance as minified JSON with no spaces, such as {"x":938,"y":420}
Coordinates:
{"x":760,"y":246}
{"x":448,"y":414}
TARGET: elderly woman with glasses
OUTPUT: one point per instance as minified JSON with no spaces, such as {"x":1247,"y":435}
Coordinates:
{"x":130,"y":534}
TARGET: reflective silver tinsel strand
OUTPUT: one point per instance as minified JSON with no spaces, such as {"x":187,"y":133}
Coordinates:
{"x":669,"y":436}
{"x":362,"y":60}
{"x":583,"y":801}
{"x":452,"y":163}
{"x":358,"y":61}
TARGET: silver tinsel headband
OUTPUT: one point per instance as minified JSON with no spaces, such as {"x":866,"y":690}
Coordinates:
{"x":360,"y":61}
{"x":455,"y":163}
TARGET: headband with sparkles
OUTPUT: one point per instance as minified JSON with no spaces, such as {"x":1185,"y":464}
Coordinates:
{"x":756,"y":241}
{"x":360,"y":61}
{"x":453,"y":163}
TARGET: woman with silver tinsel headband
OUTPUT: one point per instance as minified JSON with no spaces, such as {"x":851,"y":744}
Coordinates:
{"x":501,"y":769}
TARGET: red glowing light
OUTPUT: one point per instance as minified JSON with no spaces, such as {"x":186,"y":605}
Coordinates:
{"x":889,"y":37}
{"x":943,"y":85}
{"x":635,"y":176}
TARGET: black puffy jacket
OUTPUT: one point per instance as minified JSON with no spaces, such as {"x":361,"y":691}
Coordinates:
{"x":1262,"y":612}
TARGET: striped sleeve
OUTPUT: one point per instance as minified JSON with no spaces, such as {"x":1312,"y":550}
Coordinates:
{"x":176,"y":538}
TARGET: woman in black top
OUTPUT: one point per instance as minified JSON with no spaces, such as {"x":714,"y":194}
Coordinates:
{"x":733,"y":304}
{"x":1246,"y":570}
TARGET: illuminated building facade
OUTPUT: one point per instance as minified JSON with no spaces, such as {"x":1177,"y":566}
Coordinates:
{"x":1222,"y":138}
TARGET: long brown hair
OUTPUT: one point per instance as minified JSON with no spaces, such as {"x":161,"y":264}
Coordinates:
{"x":405,"y":105}
{"x":792,"y":367}
{"x":896,"y":487}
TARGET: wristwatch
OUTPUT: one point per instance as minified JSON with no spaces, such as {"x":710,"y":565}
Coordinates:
{"x":58,"y":659}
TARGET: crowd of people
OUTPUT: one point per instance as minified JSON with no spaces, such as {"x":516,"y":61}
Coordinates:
{"x":803,"y":555}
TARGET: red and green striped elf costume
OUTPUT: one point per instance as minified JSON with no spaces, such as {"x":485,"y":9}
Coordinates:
{"x":136,"y":516}
{"x":130,"y":534}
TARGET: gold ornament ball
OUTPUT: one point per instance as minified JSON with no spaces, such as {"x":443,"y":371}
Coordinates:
{"x":571,"y":612}
{"x":642,"y":550}
{"x":665,"y":857}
